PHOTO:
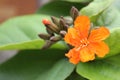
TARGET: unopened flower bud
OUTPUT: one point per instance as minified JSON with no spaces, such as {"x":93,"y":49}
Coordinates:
{"x":63,"y":33}
{"x":49,"y":31}
{"x":44,"y":36}
{"x":63,"y":25}
{"x":55,"y":20}
{"x":51,"y":26}
{"x":74,"y":12}
{"x":54,"y":28}
{"x":55,"y":38}
{"x":68,"y":21}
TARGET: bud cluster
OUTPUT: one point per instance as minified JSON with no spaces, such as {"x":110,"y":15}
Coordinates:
{"x":57,"y":29}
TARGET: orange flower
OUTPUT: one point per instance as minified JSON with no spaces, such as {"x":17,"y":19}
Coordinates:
{"x":87,"y":43}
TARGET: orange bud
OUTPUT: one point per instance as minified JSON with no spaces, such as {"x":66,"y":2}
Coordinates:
{"x":46,"y":22}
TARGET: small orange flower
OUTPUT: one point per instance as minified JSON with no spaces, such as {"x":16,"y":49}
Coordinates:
{"x":86,"y":43}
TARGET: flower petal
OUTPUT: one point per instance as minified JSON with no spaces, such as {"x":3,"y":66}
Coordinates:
{"x":99,"y":34}
{"x":82,"y":24}
{"x":73,"y":56}
{"x":86,"y":54}
{"x":72,"y":37}
{"x":100,"y":48}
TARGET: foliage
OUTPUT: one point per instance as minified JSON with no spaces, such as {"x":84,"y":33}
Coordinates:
{"x":21,"y":33}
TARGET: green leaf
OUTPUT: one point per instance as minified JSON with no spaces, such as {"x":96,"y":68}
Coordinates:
{"x":22,"y":33}
{"x":107,"y":69}
{"x":59,"y":8}
{"x":37,"y":65}
{"x":96,"y":7}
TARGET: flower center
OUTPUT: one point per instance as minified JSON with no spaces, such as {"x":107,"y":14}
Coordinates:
{"x":84,"y":42}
